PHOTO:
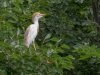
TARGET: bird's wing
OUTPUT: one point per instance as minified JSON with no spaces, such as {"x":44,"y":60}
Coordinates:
{"x":26,"y":36}
{"x":30,"y":35}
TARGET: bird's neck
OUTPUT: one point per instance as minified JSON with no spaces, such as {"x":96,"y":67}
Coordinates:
{"x":35,"y":21}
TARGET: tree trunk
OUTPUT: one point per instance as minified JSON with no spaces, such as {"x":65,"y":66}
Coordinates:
{"x":96,"y":8}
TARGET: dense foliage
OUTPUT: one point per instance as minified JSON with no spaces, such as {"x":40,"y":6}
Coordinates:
{"x":67,"y":44}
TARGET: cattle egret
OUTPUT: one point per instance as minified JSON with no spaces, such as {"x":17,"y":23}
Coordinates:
{"x":32,"y":30}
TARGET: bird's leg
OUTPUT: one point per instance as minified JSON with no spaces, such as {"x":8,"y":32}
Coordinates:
{"x":34,"y":46}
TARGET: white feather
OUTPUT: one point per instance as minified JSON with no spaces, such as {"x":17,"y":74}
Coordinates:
{"x":31,"y":34}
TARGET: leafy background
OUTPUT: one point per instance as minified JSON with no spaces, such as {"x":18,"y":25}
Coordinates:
{"x":67,"y":44}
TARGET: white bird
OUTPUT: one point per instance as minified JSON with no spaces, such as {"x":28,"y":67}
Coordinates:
{"x":32,"y":30}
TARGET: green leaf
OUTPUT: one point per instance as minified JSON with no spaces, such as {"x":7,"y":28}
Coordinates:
{"x":12,"y":17}
{"x":60,"y":50}
{"x":65,"y":46}
{"x":83,"y":57}
{"x":17,"y":6}
{"x":54,"y":39}
{"x":47,"y":36}
{"x":14,"y":56}
{"x":50,"y":52}
{"x":18,"y":32}
{"x":4,"y":44}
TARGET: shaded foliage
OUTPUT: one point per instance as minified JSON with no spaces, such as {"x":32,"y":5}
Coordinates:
{"x":67,"y":43}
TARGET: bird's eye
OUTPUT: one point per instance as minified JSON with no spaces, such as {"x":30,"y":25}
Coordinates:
{"x":37,"y":15}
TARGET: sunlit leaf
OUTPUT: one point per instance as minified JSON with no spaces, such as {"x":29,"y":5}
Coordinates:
{"x":47,"y":36}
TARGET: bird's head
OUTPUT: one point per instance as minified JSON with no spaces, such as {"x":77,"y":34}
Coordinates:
{"x":37,"y":15}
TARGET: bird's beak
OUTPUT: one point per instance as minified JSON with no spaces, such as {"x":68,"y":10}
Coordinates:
{"x":43,"y":14}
